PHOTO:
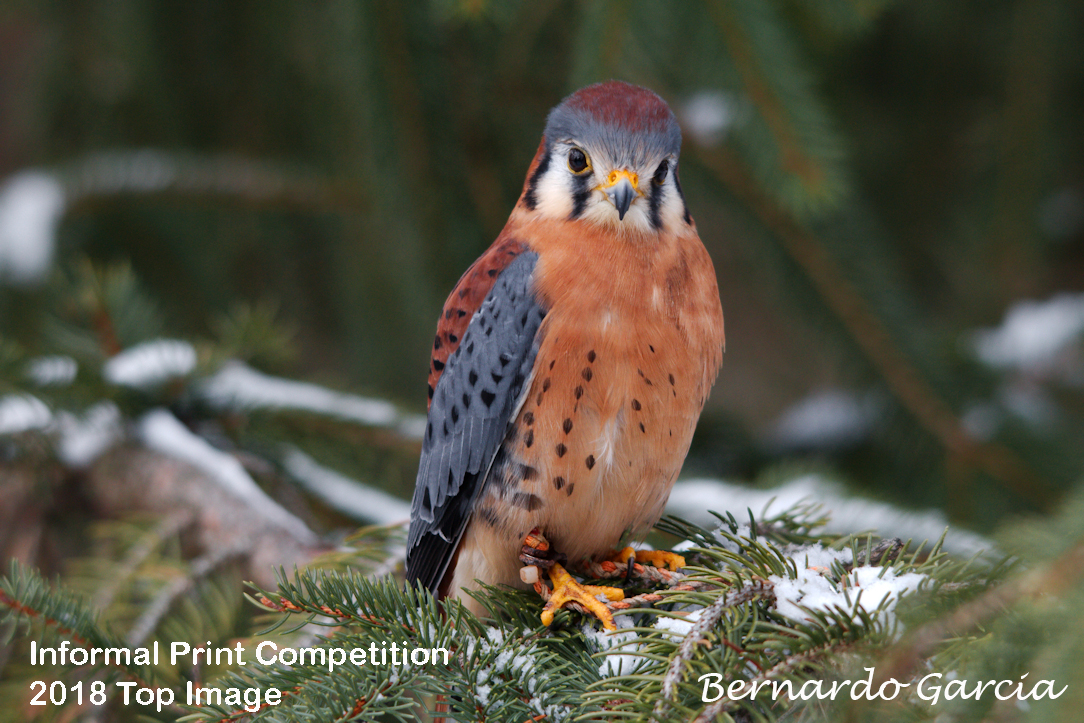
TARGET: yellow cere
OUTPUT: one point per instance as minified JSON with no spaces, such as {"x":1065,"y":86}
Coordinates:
{"x":617,"y":175}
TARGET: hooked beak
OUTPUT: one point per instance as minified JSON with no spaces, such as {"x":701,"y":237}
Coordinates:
{"x":621,"y":187}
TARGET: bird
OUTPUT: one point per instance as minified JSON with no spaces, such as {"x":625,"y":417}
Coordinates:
{"x":571,"y":361}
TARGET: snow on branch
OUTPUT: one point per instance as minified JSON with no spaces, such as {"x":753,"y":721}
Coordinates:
{"x":22,"y":413}
{"x":31,"y":206}
{"x":344,"y":494}
{"x":1033,"y":335}
{"x":161,"y":431}
{"x":239,"y":386}
{"x":150,"y":364}
{"x":692,"y":499}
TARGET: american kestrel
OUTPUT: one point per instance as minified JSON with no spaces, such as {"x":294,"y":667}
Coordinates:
{"x":572,"y":360}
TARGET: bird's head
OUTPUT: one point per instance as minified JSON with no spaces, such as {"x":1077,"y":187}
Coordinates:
{"x":609,"y":156}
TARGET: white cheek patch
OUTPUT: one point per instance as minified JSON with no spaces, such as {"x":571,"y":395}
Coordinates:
{"x":671,"y":208}
{"x":553,"y":193}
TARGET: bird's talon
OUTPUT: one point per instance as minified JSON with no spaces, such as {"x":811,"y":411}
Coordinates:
{"x":658,"y":558}
{"x":566,"y":590}
{"x":661,"y":558}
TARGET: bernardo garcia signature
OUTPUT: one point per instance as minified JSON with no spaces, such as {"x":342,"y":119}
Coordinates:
{"x":930,"y":688}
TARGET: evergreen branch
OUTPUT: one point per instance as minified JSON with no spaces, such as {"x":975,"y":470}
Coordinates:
{"x":27,"y":597}
{"x":199,"y":568}
{"x":1049,"y":582}
{"x":766,"y":100}
{"x":166,"y":528}
{"x":870,"y":335}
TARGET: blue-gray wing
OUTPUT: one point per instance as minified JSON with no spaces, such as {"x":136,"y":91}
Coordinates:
{"x":469,"y":416}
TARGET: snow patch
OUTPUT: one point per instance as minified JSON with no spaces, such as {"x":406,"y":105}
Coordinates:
{"x":150,"y":364}
{"x":161,"y":431}
{"x":678,"y":627}
{"x":81,"y":440}
{"x":1032,"y":335}
{"x":31,"y":206}
{"x":865,"y":588}
{"x":347,"y":495}
{"x":692,"y":499}
{"x":831,"y":419}
{"x":52,"y":371}
{"x":709,"y":115}
{"x":621,"y":648}
{"x":240,"y":386}
{"x":22,"y":413}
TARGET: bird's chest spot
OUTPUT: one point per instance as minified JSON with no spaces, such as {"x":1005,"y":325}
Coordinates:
{"x":606,"y":399}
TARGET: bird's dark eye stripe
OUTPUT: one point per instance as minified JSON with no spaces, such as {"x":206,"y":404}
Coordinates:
{"x":577,"y":161}
{"x":581,"y":192}
{"x":661,"y":171}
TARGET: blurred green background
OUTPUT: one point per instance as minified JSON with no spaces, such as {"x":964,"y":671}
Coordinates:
{"x":875,"y":182}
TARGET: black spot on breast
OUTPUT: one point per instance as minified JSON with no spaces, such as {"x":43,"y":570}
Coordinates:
{"x":590,"y":461}
{"x":488,"y":397}
{"x":529,"y":439}
{"x":538,"y":400}
{"x":526,"y":501}
{"x":527,"y":473}
{"x":642,"y":428}
{"x":552,"y":362}
{"x":558,"y":482}
{"x":571,"y":487}
{"x":546,"y":385}
{"x":636,"y":404}
{"x":671,"y":380}
{"x":438,"y":365}
{"x":587,"y":374}
{"x":463,"y":292}
{"x":651,"y":348}
{"x":528,"y":418}
{"x":453,"y":338}
{"x":561,"y":450}
{"x":567,"y":425}
{"x":437,"y":342}
{"x":591,"y":356}
{"x":492,"y":273}
{"x":578,"y":392}
{"x":460,"y":313}
{"x":449,"y":313}
{"x":430,"y":390}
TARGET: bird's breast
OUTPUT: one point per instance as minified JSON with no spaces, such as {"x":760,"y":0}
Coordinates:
{"x":627,"y":353}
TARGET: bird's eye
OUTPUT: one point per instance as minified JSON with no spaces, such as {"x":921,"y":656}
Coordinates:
{"x":660,"y":172}
{"x":577,"y":161}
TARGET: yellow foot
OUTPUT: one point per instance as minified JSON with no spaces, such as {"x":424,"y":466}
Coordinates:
{"x":566,"y":590}
{"x":658,"y":558}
